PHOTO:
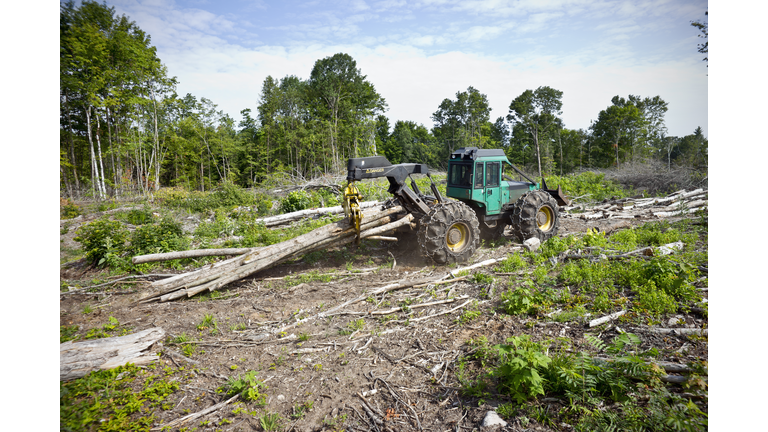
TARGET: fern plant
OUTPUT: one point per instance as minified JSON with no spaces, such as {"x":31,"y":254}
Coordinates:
{"x":518,"y":374}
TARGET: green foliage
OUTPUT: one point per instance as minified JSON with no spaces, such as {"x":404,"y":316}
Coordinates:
{"x":107,"y":330}
{"x":208,"y":323}
{"x":654,"y":301}
{"x":507,"y":411}
{"x":300,"y":410}
{"x":103,"y":240}
{"x":468,"y":316}
{"x":512,"y":263}
{"x":327,"y":198}
{"x":557,"y":245}
{"x":248,"y":387}
{"x":295,"y":201}
{"x":135,"y":216}
{"x":627,"y":237}
{"x":356,"y":325}
{"x":68,"y":209}
{"x":665,"y":411}
{"x":68,"y":333}
{"x":220,"y":226}
{"x":270,"y":421}
{"x":594,"y":185}
{"x":660,"y":233}
{"x":186,"y":348}
{"x":594,"y":238}
{"x":482,"y":279}
{"x":226,"y":196}
{"x":120,"y":399}
{"x":312,"y":276}
{"x":518,"y":373}
{"x":163,"y":236}
{"x":672,"y":277}
{"x":519,"y":301}
{"x":303,"y":200}
{"x":230,"y":195}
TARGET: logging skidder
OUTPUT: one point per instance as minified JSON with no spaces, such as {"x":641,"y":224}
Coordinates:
{"x":485,"y":201}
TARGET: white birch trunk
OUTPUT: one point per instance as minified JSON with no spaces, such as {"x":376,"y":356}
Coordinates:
{"x":102,"y":187}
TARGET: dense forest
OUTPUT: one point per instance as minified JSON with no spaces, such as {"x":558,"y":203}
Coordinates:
{"x":125,"y":130}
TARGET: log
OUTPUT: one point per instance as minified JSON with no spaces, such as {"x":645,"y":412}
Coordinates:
{"x":686,"y":205}
{"x":196,"y":253}
{"x":474,"y":266}
{"x":77,"y":359}
{"x":290,"y":217}
{"x":666,"y":249}
{"x":382,"y":238}
{"x":605,"y":319}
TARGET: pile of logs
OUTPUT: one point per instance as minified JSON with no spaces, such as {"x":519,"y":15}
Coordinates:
{"x":629,"y":208}
{"x":215,"y":276}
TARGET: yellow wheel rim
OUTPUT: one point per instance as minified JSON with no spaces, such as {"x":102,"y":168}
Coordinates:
{"x":545,"y":218}
{"x":457,"y":237}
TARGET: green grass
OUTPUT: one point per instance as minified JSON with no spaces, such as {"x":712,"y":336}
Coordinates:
{"x":126,"y":398}
{"x":208,"y":323}
{"x":248,"y":387}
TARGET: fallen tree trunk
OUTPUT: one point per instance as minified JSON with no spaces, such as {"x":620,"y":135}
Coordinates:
{"x":196,"y":253}
{"x":77,"y":359}
{"x":214,"y":277}
{"x":301,"y":214}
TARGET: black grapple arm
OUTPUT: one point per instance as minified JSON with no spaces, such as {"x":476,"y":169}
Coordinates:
{"x":379,"y":166}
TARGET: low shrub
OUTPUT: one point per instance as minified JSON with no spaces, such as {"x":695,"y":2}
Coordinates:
{"x":68,"y":209}
{"x":135,"y":216}
{"x":247,"y":386}
{"x":519,"y":301}
{"x":512,"y":263}
{"x":592,"y":186}
{"x":164,"y":236}
{"x":103,"y":240}
{"x":295,"y":201}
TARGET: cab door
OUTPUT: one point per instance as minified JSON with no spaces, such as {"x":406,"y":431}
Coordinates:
{"x":492,"y":187}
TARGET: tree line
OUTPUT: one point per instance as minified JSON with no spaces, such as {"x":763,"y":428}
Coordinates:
{"x":123,"y":127}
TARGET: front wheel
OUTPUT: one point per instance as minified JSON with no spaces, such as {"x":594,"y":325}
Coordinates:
{"x":535,"y":215}
{"x":449,"y":233}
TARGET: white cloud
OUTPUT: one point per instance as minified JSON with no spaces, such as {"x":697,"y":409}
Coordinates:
{"x":414,"y":78}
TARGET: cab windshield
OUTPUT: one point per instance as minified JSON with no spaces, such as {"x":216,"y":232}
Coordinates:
{"x":460,"y":175}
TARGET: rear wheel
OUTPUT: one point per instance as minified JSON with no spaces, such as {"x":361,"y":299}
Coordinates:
{"x":535,"y":215}
{"x":449,"y":233}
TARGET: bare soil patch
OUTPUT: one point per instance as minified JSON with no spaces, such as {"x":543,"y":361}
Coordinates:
{"x":330,"y":361}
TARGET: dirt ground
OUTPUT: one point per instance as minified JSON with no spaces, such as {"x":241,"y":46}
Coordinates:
{"x":411,"y":365}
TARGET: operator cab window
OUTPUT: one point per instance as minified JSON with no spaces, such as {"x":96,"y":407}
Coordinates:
{"x":479,"y":175}
{"x":460,"y":175}
{"x":492,"y":174}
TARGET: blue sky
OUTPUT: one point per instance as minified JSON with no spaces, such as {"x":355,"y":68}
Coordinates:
{"x":418,"y":53}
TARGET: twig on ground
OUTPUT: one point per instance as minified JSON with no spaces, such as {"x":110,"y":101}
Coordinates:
{"x":197,"y":414}
{"x":115,"y":281}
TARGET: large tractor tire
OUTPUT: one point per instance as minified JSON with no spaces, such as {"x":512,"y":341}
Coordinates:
{"x":535,"y":215}
{"x":449,"y":233}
